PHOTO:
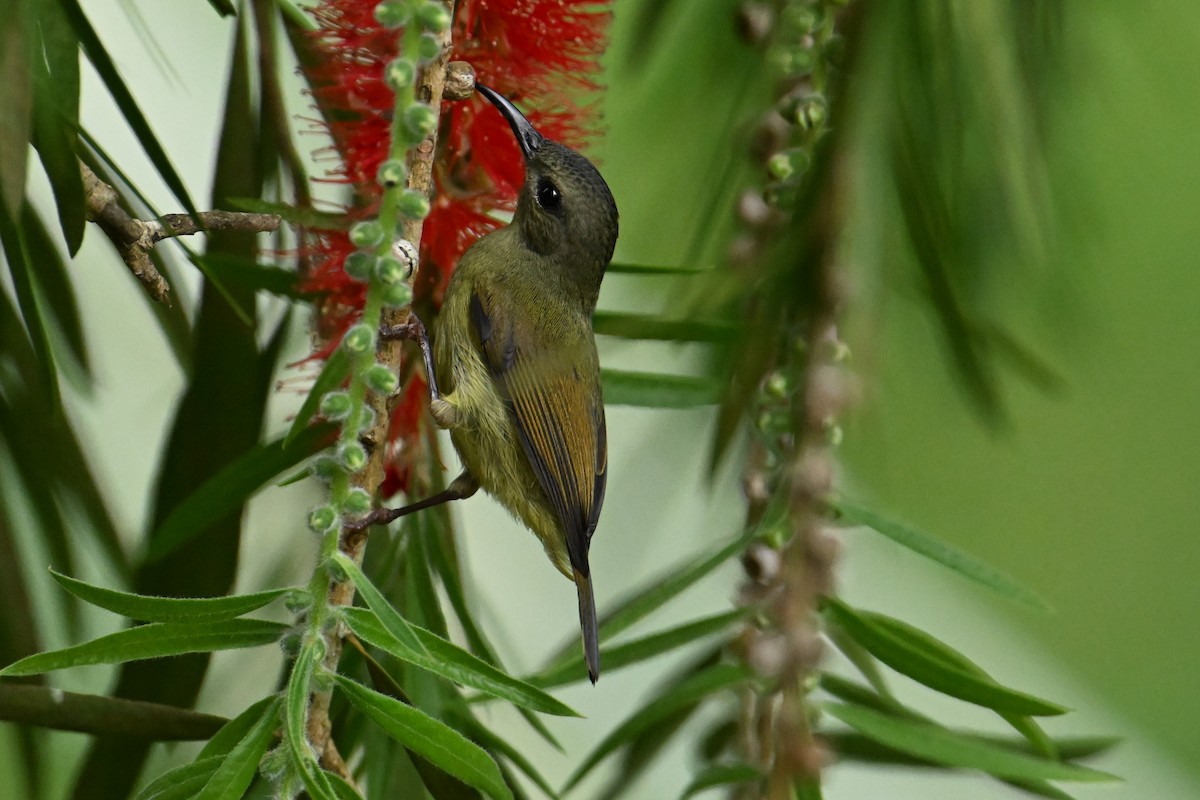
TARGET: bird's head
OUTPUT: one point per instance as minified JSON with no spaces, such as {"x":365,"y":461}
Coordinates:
{"x":565,"y":209}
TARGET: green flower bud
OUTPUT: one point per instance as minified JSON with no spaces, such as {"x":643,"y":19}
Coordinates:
{"x":400,"y":74}
{"x":389,"y":270}
{"x":368,"y":233}
{"x":353,"y":456}
{"x":335,"y":405}
{"x":801,"y":19}
{"x":322,"y":519}
{"x":810,"y":113}
{"x":358,"y":265}
{"x":391,"y":173}
{"x":803,"y":61}
{"x":429,"y":47}
{"x":398,"y":295}
{"x":434,"y":17}
{"x":420,"y":120}
{"x":359,"y":339}
{"x":788,"y":164}
{"x":357,"y":502}
{"x":327,"y":468}
{"x":297,"y":601}
{"x":289,"y":643}
{"x":778,"y":385}
{"x":833,"y":432}
{"x":413,"y":204}
{"x":777,"y":536}
{"x":381,"y":379}
{"x":393,"y":13}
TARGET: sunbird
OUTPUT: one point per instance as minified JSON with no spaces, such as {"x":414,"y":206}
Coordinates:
{"x":517,"y":375}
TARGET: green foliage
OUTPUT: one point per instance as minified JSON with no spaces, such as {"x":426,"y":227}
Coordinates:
{"x":938,"y":551}
{"x":167,"y":609}
{"x":952,"y":749}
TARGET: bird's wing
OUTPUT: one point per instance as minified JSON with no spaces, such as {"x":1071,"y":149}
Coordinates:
{"x":552,"y":390}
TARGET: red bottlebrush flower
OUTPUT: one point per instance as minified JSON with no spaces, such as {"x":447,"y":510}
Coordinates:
{"x":539,"y":53}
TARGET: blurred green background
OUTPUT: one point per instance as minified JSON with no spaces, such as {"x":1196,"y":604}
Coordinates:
{"x":1087,"y":494}
{"x":1090,"y":494}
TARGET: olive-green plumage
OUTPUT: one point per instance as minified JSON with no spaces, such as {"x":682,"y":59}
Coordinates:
{"x":516,"y":360}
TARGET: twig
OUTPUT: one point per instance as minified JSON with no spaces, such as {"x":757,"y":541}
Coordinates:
{"x":108,"y":716}
{"x":135,"y":238}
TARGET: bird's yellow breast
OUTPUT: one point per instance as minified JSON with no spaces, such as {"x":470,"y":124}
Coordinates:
{"x":484,"y":433}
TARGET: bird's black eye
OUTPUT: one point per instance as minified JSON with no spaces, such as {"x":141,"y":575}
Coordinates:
{"x":548,"y":196}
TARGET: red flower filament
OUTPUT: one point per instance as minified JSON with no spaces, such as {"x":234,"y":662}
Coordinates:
{"x":540,"y":53}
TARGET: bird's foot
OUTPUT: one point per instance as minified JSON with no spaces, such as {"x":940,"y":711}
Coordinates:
{"x":445,"y":414}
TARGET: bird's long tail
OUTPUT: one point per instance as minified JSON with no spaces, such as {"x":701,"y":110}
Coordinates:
{"x":587,"y":623}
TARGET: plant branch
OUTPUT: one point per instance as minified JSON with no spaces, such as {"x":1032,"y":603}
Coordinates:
{"x":106,"y":716}
{"x":429,"y":88}
{"x":135,"y":238}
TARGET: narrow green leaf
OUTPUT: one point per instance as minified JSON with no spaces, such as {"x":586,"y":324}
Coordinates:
{"x":695,"y":688}
{"x":296,"y":17}
{"x":107,"y":70}
{"x":56,"y":116}
{"x":61,"y":304}
{"x":29,"y":300}
{"x":937,"y":550}
{"x":648,"y":327}
{"x":56,"y":148}
{"x":954,"y":749}
{"x":935,"y":648}
{"x":641,"y":649}
{"x":237,"y":771}
{"x":295,"y":724}
{"x":223,"y":7}
{"x":156,"y":640}
{"x":435,"y":741}
{"x":166,"y":609}
{"x":807,"y":790}
{"x":445,"y":659}
{"x":441,"y":555}
{"x":341,"y":789}
{"x":625,"y":268}
{"x":908,"y":657}
{"x":1040,"y":789}
{"x":863,"y":661}
{"x":857,"y":694}
{"x":721,"y":775}
{"x":181,"y":783}
{"x":230,"y":488}
{"x":301,"y":217}
{"x":235,"y":729}
{"x":434,"y":654}
{"x":654,"y":594}
{"x":332,"y":375}
{"x":381,"y":609}
{"x":16,"y":98}
{"x":852,"y":746}
{"x":652,"y":390}
{"x":30,"y":467}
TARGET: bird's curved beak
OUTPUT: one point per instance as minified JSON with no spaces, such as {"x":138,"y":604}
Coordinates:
{"x":527,"y":136}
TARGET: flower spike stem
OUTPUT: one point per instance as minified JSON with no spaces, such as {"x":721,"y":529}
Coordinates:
{"x":389,"y":245}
